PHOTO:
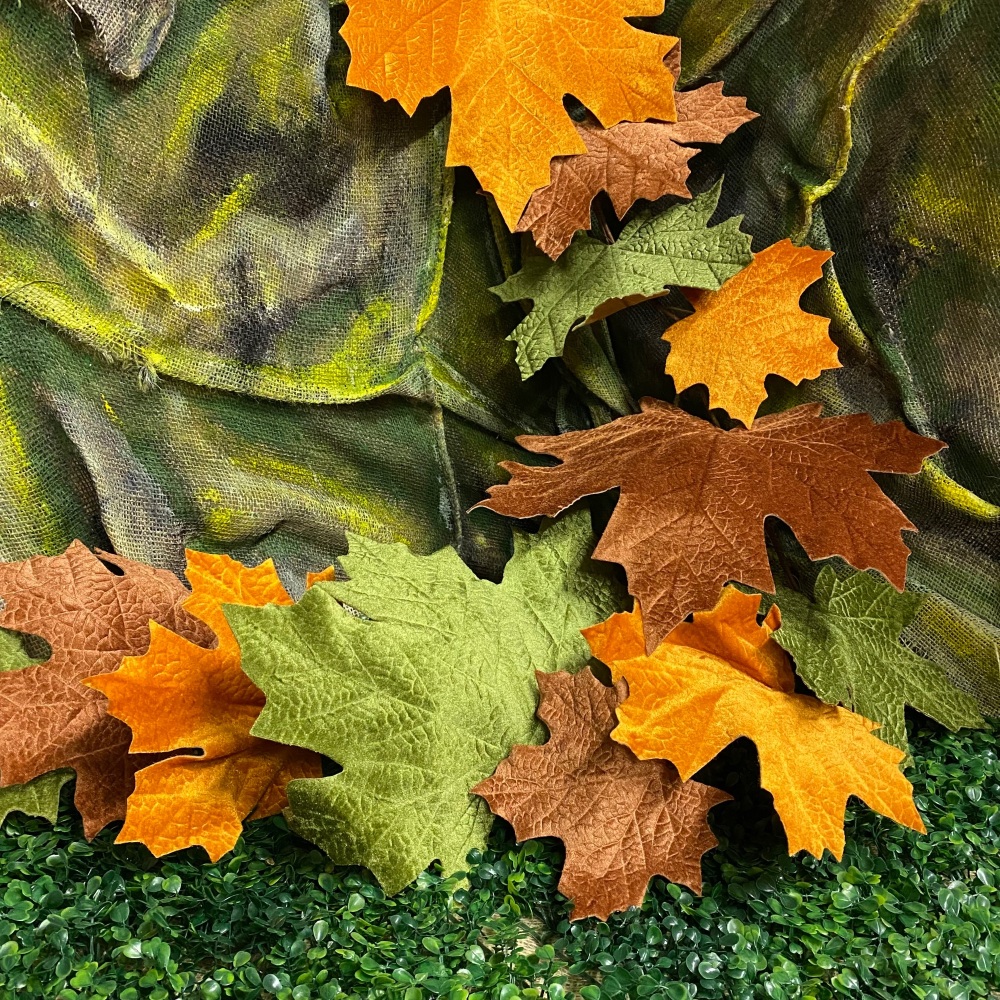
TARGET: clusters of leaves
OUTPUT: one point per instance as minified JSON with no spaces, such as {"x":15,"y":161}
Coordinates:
{"x":416,"y":679}
{"x":419,"y":681}
{"x":900,"y":915}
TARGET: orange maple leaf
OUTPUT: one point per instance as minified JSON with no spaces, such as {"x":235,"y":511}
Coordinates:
{"x":722,"y":677}
{"x":751,"y":327}
{"x":508,"y":64}
{"x":181,"y":695}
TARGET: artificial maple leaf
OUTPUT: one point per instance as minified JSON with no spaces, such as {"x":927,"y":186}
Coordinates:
{"x":847,"y":649}
{"x":622,"y":820}
{"x":421,"y":698}
{"x":630,"y":161}
{"x":180,"y":694}
{"x":706,"y":685}
{"x":694,"y":498}
{"x":40,"y":796}
{"x":508,"y":64}
{"x":92,"y":616}
{"x":751,"y":327}
{"x":594,"y":279}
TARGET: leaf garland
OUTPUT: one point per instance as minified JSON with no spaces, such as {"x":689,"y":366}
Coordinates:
{"x":420,"y":680}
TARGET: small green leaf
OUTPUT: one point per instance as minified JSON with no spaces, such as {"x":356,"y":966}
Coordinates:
{"x":847,"y":649}
{"x":38,"y":797}
{"x":594,"y":279}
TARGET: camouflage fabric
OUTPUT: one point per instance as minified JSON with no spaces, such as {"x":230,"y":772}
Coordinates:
{"x":245,"y":307}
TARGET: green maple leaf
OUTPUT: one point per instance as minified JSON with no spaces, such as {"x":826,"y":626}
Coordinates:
{"x":592,"y":279}
{"x":423,"y":696}
{"x":40,"y":796}
{"x":847,"y":649}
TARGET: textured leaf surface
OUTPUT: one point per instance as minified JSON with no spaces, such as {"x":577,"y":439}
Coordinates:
{"x":847,"y":649}
{"x":92,"y":617}
{"x":508,"y":64}
{"x":631,"y":160}
{"x":694,"y":498}
{"x":705,"y":686}
{"x":622,"y":820}
{"x":181,"y":695}
{"x":751,"y":327}
{"x":40,"y":796}
{"x":419,"y":700}
{"x":594,"y":279}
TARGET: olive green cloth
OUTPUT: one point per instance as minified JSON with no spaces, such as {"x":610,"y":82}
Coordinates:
{"x":245,"y":306}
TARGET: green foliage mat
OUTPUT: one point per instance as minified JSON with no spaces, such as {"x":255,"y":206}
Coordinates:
{"x":901,"y":916}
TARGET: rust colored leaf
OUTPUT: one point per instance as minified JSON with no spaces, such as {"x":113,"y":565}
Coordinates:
{"x":722,"y":677}
{"x":180,"y":695}
{"x":622,"y":820}
{"x":92,"y":616}
{"x":751,"y":327}
{"x":631,"y":160}
{"x":694,"y":498}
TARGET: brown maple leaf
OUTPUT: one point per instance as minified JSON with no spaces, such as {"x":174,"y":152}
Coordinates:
{"x":630,"y":161}
{"x":92,"y":616}
{"x":694,"y":498}
{"x":623,"y":820}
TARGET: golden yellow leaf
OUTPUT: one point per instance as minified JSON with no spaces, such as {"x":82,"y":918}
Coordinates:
{"x":722,"y":677}
{"x":508,"y":64}
{"x":751,"y":327}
